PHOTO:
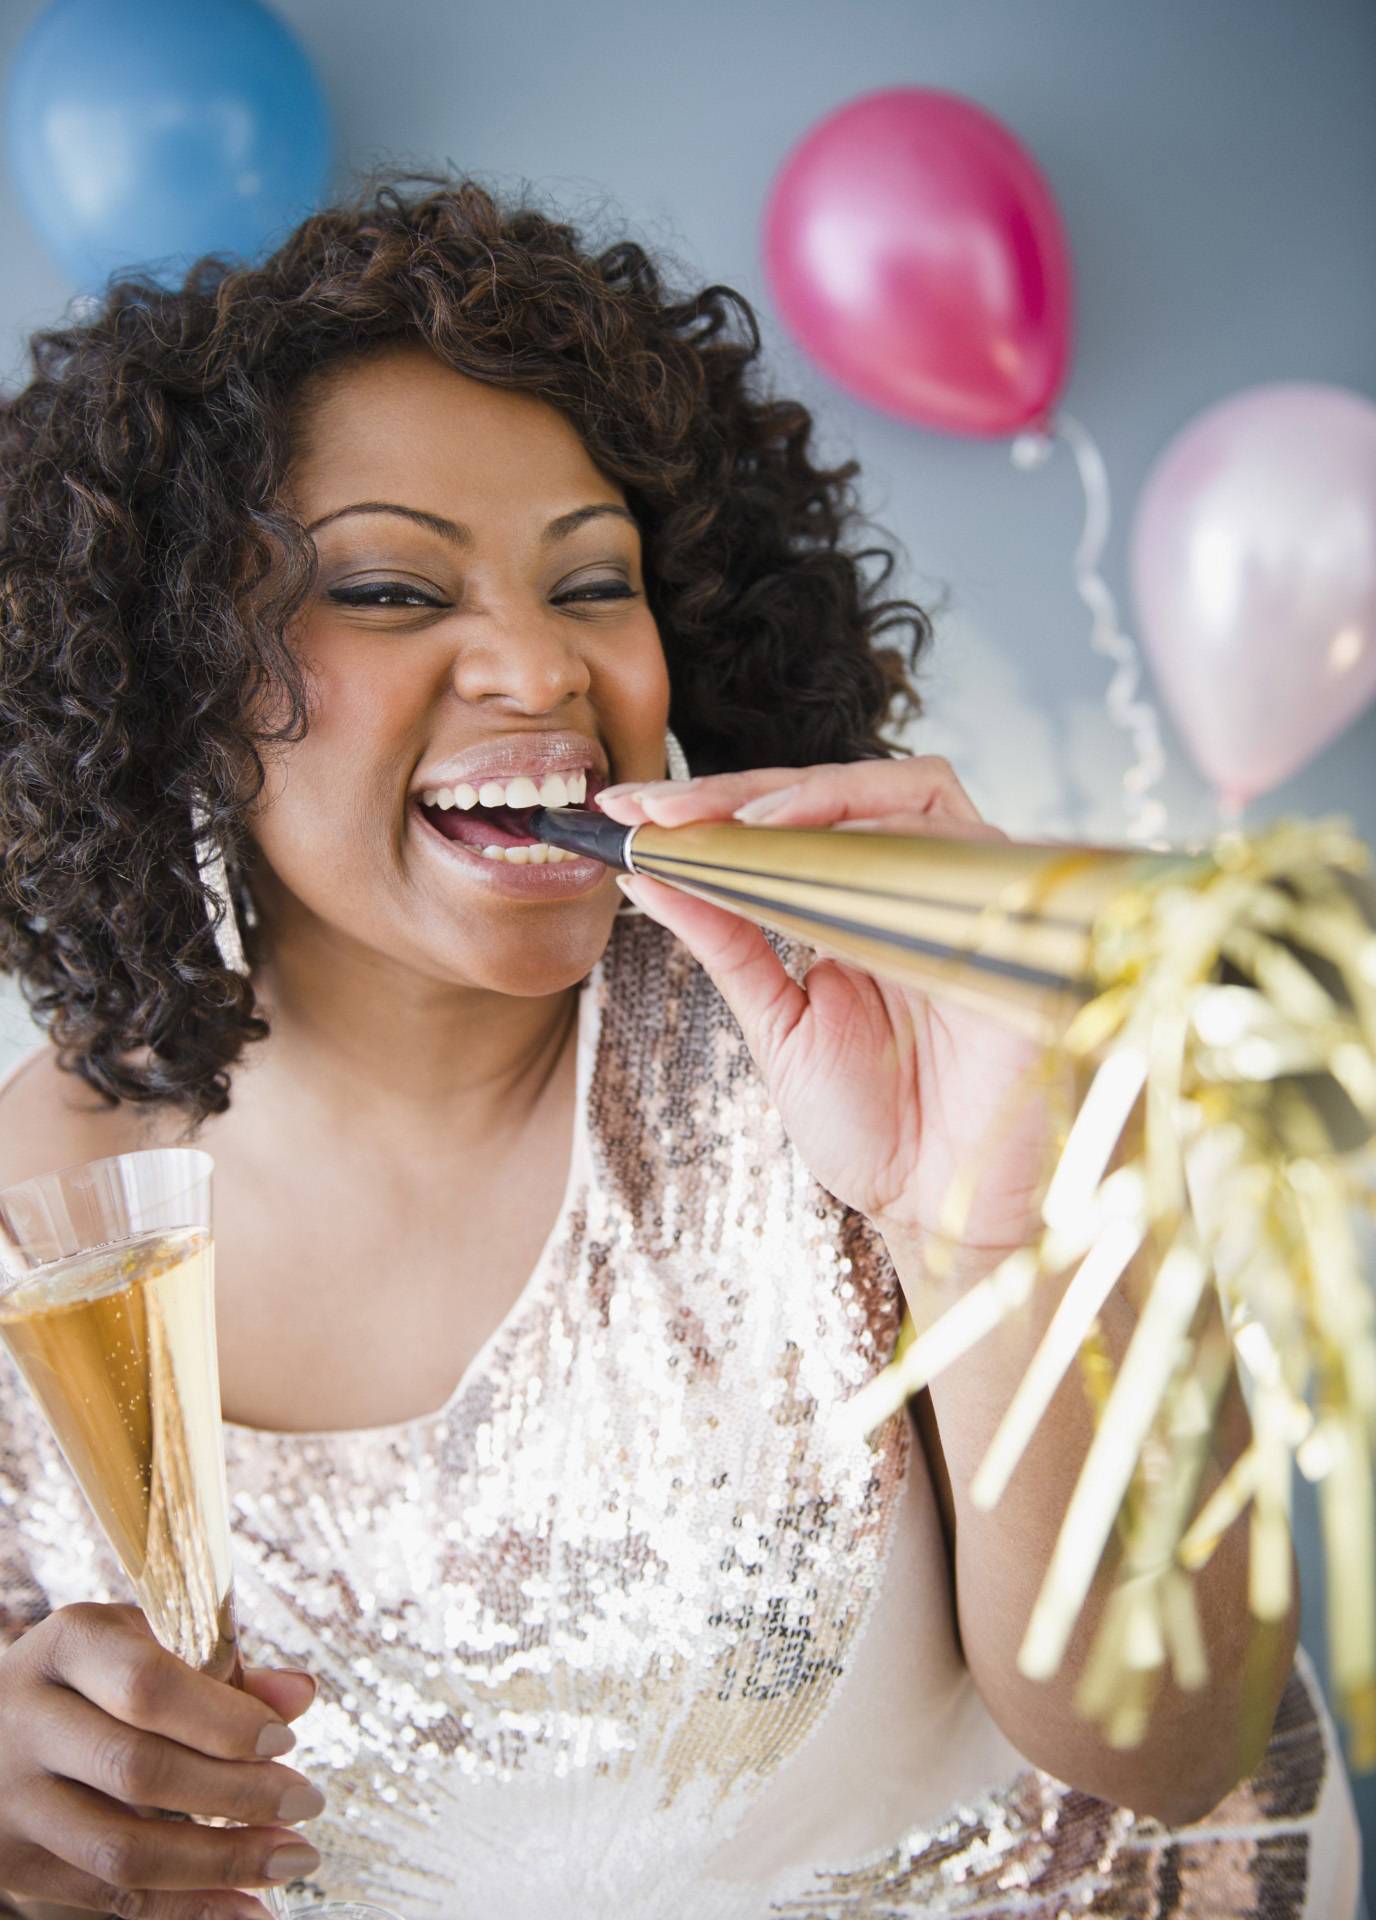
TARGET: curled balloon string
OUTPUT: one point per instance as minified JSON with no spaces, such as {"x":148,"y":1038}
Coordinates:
{"x":1136,"y":717}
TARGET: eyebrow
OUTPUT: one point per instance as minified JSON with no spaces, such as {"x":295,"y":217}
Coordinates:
{"x":461,"y":536}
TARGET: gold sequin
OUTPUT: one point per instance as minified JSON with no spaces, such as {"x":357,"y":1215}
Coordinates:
{"x":609,"y":1609}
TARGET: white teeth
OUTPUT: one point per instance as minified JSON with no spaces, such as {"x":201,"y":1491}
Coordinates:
{"x":555,"y":790}
{"x":537,"y":856}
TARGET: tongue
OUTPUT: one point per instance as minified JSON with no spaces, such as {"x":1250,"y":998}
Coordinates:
{"x":483,"y":826}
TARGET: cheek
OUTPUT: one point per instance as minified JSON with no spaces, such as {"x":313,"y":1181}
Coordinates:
{"x":637,"y":689}
{"x":347,"y":778}
{"x":362,"y":688}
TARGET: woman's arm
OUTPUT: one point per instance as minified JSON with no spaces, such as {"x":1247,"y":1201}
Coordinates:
{"x":1191,"y":1755}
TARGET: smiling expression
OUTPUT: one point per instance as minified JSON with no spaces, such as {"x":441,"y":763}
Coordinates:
{"x":479,"y":583}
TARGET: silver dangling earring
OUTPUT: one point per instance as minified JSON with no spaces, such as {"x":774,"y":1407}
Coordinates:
{"x":675,"y":756}
{"x":211,"y":860}
{"x":677,"y":762}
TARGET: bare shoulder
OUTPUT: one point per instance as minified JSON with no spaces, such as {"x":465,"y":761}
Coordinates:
{"x":51,"y":1119}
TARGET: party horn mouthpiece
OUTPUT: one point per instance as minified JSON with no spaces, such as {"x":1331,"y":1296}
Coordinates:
{"x":578,"y":830}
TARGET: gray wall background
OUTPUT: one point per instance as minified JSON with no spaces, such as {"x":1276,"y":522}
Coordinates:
{"x":1216,"y":168}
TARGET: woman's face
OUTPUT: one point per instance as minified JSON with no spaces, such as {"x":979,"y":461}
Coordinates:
{"x":500,"y":634}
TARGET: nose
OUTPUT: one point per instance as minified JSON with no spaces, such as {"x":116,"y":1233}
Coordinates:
{"x":534,"y":668}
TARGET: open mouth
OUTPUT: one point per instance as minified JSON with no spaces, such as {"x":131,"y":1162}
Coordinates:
{"x":478,"y":827}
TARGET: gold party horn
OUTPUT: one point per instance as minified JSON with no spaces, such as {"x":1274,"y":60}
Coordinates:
{"x":1007,"y":926}
{"x":1028,"y":930}
{"x":1218,"y":1013}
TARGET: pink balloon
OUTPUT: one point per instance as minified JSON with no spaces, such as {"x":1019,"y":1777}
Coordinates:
{"x":1254,"y":566}
{"x":916,"y":251}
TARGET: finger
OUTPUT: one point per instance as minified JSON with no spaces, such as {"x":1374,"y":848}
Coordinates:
{"x":875,"y":789}
{"x":86,"y":1744}
{"x":818,"y":795}
{"x":287,"y":1690}
{"x":90,"y":1831}
{"x":705,"y":796}
{"x":108,"y":1653}
{"x":58,"y":1883}
{"x":737,"y":958}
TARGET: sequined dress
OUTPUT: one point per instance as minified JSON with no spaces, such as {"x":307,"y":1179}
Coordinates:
{"x":625,"y":1630}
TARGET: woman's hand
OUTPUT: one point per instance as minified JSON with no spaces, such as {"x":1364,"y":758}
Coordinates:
{"x":885,"y":1093}
{"x":98,"y":1721}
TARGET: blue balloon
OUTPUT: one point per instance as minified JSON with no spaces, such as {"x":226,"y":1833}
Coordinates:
{"x":144,"y":133}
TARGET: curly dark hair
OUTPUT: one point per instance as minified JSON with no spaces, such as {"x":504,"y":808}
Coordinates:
{"x":148,"y":572}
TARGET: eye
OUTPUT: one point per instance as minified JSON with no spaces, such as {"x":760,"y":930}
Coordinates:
{"x":387,"y":593}
{"x":397,"y":593}
{"x":599,"y":590}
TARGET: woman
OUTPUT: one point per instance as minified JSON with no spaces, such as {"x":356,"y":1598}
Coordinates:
{"x":332,"y":553}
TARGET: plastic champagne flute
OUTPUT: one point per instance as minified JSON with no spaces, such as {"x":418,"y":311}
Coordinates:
{"x":343,"y":1910}
{"x":107,"y":1305}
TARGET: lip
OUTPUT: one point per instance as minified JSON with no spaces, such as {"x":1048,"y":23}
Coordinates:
{"x":561,"y":882}
{"x":517,"y":753}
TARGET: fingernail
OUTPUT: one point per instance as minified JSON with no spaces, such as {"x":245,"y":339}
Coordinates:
{"x":627,"y":884}
{"x":275,"y":1740}
{"x":604,"y":792}
{"x":286,"y":1862}
{"x":764,"y":803}
{"x":301,"y":1801}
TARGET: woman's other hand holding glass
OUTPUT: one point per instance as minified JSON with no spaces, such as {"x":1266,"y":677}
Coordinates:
{"x":100,"y":1727}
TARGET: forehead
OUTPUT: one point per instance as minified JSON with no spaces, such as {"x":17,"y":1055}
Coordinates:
{"x":403,"y":418}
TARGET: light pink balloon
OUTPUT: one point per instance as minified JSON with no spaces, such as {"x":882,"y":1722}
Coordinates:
{"x":1254,"y":568}
{"x":916,"y":251}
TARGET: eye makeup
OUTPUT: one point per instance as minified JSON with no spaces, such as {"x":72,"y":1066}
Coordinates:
{"x":399,"y":593}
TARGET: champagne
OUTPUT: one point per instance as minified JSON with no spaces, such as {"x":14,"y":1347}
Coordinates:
{"x":118,"y":1347}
